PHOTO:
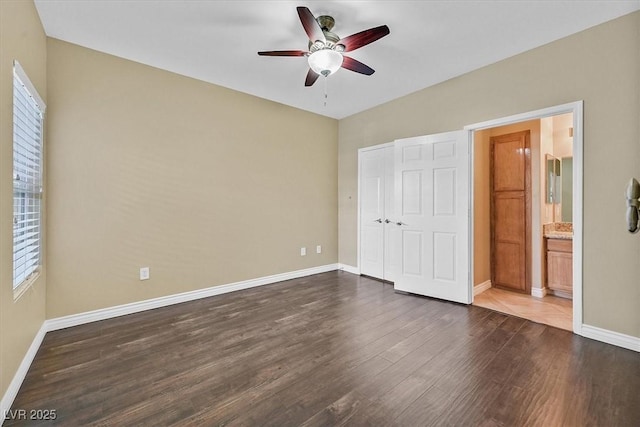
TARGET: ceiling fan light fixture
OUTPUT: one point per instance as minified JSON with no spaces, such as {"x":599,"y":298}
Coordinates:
{"x":325,"y":61}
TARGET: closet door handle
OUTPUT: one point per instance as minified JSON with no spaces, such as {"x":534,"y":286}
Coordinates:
{"x":388,"y":221}
{"x":379,"y":220}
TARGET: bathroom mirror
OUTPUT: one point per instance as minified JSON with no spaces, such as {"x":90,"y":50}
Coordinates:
{"x":553,"y":176}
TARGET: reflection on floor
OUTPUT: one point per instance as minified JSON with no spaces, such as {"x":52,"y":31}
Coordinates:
{"x":550,"y":310}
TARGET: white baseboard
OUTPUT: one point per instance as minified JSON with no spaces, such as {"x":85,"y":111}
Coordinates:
{"x":481,"y":287}
{"x":21,"y":373}
{"x":349,"y":269}
{"x":610,"y":337}
{"x":538,"y":292}
{"x":124,"y":309}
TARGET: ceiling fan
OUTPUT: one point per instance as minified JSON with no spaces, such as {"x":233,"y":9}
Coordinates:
{"x":325,"y":55}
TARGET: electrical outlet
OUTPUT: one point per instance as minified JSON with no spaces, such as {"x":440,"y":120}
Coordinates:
{"x":303,"y":251}
{"x":318,"y":249}
{"x":144,"y":273}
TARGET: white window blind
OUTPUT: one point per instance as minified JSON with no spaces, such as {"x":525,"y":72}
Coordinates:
{"x":28,"y":115}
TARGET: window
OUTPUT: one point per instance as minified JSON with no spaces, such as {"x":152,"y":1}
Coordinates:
{"x":28,"y":116}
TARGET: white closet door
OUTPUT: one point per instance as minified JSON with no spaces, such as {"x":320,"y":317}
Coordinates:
{"x":432,"y":207}
{"x":372,"y":170}
{"x":390,"y":228}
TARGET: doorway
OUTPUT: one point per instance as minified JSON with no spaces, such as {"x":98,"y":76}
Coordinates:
{"x":556,"y":227}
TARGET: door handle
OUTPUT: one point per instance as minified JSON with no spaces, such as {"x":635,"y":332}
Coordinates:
{"x":633,"y":206}
{"x":379,"y":220}
{"x":388,"y":221}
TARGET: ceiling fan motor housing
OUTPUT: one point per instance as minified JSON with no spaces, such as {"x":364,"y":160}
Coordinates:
{"x":326,"y":23}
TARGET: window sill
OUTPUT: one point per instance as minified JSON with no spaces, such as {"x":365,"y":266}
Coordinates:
{"x":25,"y":285}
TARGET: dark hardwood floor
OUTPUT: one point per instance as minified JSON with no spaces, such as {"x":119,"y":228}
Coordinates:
{"x":330,"y":349}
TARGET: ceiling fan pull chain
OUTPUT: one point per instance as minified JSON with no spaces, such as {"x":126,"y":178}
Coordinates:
{"x":325,"y":91}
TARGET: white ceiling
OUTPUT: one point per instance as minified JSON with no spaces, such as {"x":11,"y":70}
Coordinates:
{"x":217,"y":41}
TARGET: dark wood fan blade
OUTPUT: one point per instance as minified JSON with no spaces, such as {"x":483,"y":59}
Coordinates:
{"x":311,"y":26}
{"x":363,"y":38}
{"x":283,"y":53}
{"x":312,"y":76}
{"x":357,"y":66}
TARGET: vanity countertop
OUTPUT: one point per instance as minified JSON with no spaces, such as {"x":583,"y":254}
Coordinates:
{"x":566,"y":235}
{"x":558,"y":230}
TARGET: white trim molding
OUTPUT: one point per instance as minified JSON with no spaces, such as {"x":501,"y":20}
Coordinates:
{"x":610,"y":337}
{"x":538,"y":292}
{"x":21,"y":373}
{"x":481,"y":287}
{"x":349,"y":269}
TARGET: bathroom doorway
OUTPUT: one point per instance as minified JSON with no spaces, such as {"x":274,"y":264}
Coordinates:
{"x":552,"y":295}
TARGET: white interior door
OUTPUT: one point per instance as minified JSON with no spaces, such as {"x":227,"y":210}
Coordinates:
{"x":390,"y":228}
{"x":376,"y":203}
{"x":372,"y":170}
{"x":432,"y":207}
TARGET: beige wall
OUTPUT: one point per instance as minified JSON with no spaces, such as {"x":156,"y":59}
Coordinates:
{"x":204,"y":185}
{"x":21,"y":38}
{"x":600,"y":66}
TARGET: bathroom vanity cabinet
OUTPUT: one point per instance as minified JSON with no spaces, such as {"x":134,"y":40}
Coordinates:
{"x":559,"y":254}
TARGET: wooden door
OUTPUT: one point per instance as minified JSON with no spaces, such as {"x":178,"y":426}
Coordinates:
{"x":432,"y":207}
{"x":511,"y":211}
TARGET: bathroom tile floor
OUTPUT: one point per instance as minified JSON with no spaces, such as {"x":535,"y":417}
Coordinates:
{"x":550,"y":310}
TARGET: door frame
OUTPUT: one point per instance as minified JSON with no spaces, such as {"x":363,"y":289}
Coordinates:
{"x":576,"y":108}
{"x":361,"y":150}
